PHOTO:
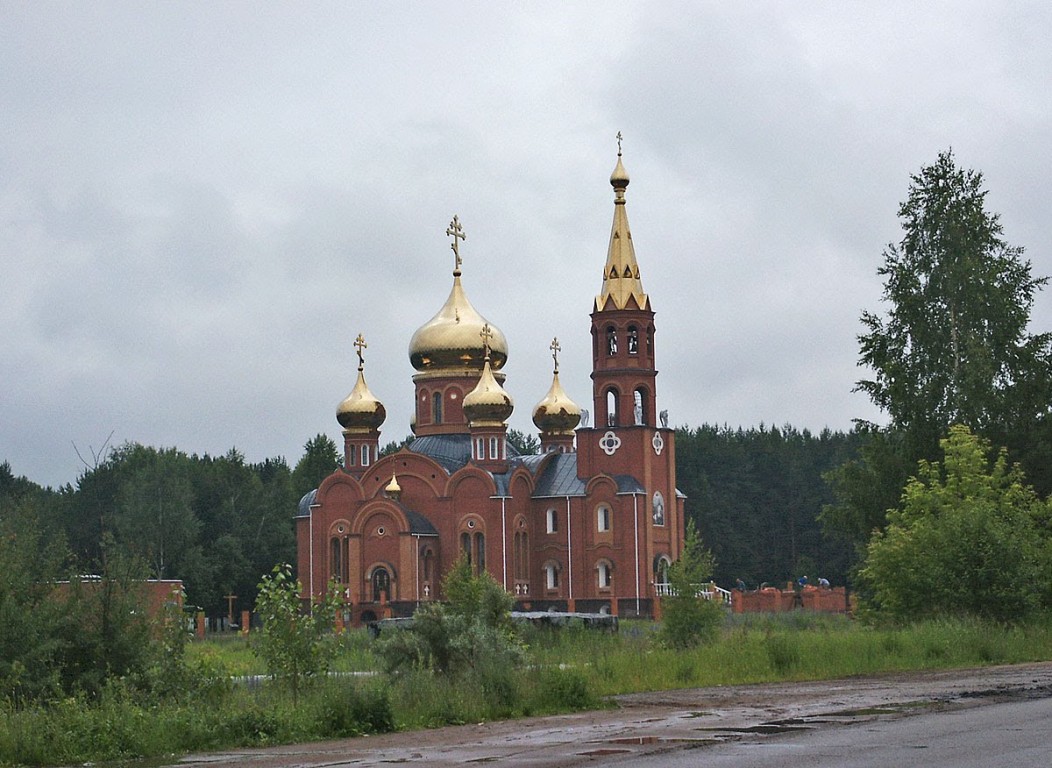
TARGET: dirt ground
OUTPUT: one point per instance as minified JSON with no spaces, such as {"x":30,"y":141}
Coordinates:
{"x":651,"y":723}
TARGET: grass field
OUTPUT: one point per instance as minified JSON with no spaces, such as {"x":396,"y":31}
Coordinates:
{"x":567,"y":669}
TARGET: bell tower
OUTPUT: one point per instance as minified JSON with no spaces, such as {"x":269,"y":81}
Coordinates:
{"x":627,"y":441}
{"x":623,"y":370}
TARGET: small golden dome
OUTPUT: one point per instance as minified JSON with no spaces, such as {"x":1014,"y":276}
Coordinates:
{"x":393,"y":489}
{"x":487,"y":404}
{"x":360,"y":411}
{"x":619,"y":178}
{"x":557,"y":414}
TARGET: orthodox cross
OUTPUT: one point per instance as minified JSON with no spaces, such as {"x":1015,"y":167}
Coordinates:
{"x":555,"y":348}
{"x":486,"y":335}
{"x":456,"y":231}
{"x":619,"y":143}
{"x":359,"y":345}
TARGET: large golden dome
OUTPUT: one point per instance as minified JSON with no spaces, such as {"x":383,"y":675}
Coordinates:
{"x":451,"y":339}
{"x":360,"y":411}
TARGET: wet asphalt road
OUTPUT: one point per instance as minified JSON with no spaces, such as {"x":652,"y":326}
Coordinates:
{"x":995,"y":716}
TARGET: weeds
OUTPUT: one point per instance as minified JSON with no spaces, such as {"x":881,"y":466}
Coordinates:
{"x":566,"y":671}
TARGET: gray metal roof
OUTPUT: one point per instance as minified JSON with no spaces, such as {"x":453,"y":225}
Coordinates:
{"x":419,"y":524}
{"x":303,"y":510}
{"x":559,"y":477}
{"x":628,"y":484}
{"x":451,"y":451}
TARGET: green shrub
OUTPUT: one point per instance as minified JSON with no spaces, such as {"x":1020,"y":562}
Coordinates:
{"x":562,"y":690}
{"x":783,"y":651}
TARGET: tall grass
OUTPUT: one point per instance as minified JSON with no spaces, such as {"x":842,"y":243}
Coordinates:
{"x":568,"y":670}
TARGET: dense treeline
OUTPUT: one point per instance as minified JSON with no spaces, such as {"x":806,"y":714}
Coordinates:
{"x":755,"y":495}
{"x":217,"y":523}
{"x":220,"y":523}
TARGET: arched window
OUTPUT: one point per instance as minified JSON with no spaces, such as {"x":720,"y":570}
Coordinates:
{"x":604,"y":571}
{"x":611,"y":407}
{"x":639,"y":407}
{"x":551,"y":575}
{"x":365,"y":455}
{"x":335,"y":560}
{"x":602,"y":518}
{"x":381,"y":584}
{"x":633,"y":340}
{"x":611,"y":341}
{"x":429,"y":565}
{"x":465,"y":545}
{"x":520,"y":555}
{"x":552,"y":521}
{"x":661,"y":566}
{"x":436,"y":408}
{"x":480,"y":552}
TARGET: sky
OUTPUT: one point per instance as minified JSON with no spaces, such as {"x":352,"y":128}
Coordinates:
{"x":203,"y":204}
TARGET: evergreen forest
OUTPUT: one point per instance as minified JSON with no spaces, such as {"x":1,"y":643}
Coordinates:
{"x":220,"y":523}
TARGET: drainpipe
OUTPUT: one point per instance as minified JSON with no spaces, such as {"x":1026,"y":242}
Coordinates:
{"x":504,"y":538}
{"x":310,"y":537}
{"x":569,"y":550}
{"x":635,"y":521}
{"x":416,"y":569}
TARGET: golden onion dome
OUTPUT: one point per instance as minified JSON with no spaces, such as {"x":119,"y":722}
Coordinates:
{"x":450,"y":339}
{"x":487,"y":404}
{"x":619,"y":178}
{"x":557,"y":413}
{"x":360,"y":411}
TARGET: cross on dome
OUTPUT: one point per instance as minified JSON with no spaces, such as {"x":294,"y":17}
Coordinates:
{"x":486,"y":334}
{"x":555,"y":348}
{"x":359,"y":345}
{"x":456,"y":231}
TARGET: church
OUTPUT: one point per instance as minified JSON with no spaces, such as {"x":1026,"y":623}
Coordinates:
{"x":591,"y":523}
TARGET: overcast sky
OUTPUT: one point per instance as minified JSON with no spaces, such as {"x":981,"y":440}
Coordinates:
{"x":202,"y":204}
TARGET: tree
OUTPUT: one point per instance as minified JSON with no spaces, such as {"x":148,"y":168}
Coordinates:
{"x":292,"y":642}
{"x":471,"y":634}
{"x":320,"y":459}
{"x":969,"y":538}
{"x":688,"y":619}
{"x":395,"y":446}
{"x":954,"y":346}
{"x":526,"y":444}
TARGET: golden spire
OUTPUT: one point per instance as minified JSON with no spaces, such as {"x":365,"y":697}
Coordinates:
{"x":360,"y":411}
{"x":621,"y":280}
{"x":556,"y":414}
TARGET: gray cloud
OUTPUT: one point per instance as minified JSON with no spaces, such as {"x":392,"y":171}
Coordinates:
{"x":201,"y":206}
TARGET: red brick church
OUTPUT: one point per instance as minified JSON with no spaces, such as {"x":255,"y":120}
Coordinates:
{"x":590,"y":524}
